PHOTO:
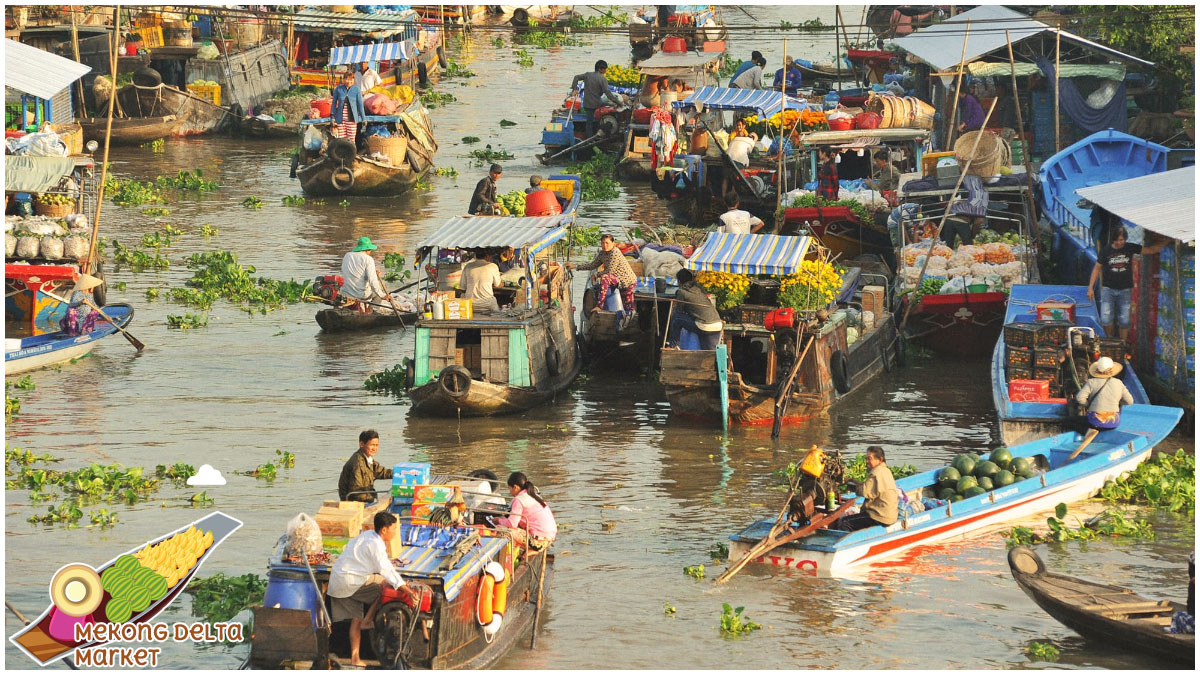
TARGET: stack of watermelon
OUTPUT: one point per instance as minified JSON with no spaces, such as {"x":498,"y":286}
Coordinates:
{"x":132,"y":586}
{"x":970,"y":476}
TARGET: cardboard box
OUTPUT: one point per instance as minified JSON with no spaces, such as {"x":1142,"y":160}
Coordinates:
{"x":641,"y":144}
{"x":872,"y":299}
{"x":428,"y":497}
{"x":394,"y":547}
{"x":458,"y":309}
{"x":639,"y":269}
{"x":1056,"y":311}
{"x":1026,"y":391}
{"x":338,"y":523}
{"x":408,"y":475}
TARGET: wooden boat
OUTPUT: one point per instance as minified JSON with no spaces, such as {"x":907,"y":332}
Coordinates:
{"x":36,"y":641}
{"x":1109,"y":615}
{"x":130,"y":130}
{"x":48,"y":349}
{"x":1023,"y":421}
{"x":611,"y":340}
{"x":696,"y":24}
{"x":337,"y":320}
{"x":1112,"y":453}
{"x":836,"y":366}
{"x":492,"y":364}
{"x":524,"y":16}
{"x":194,"y":114}
{"x":838,"y":229}
{"x":254,"y":127}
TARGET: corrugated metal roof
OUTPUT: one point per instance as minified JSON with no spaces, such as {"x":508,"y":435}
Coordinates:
{"x":749,"y":254}
{"x":941,"y":45}
{"x":723,"y":98}
{"x":531,"y":233}
{"x":36,"y":72}
{"x":376,"y":25}
{"x":1160,"y":202}
{"x":677,"y":64}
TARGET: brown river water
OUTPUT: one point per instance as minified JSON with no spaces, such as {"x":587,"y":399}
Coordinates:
{"x":638,"y":495}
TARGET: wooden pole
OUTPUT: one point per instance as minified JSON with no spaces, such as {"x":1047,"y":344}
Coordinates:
{"x":92,"y":264}
{"x":1012,"y":68}
{"x":75,"y":52}
{"x":781,"y":188}
{"x":846,"y":37}
{"x":957,"y":89}
{"x":1057,"y":56}
{"x":836,"y":60}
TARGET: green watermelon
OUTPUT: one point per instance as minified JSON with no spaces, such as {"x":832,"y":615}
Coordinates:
{"x":125,"y":563}
{"x":157,"y":587}
{"x":1001,"y":457}
{"x":986,"y":468}
{"x":965,"y":463}
{"x":948,"y":477}
{"x":974,"y":492}
{"x":140,"y":599}
{"x":965,"y":483}
{"x":986,"y":483}
{"x":946,"y":493}
{"x":1003,"y":479}
{"x":117,"y":610}
{"x":956,"y":498}
{"x":1021,"y":466}
{"x":123,"y":586}
{"x":110,"y":577}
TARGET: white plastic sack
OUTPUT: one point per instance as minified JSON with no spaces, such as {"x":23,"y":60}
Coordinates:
{"x":303,"y":536}
{"x":208,"y":51}
{"x":41,"y":144}
{"x":955,"y":285}
{"x":312,"y":138}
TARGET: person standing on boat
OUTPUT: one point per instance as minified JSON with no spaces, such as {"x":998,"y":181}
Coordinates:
{"x":793,"y":76}
{"x":483,"y":201}
{"x":361,"y":280}
{"x":827,"y":177}
{"x":1103,"y":394}
{"x":595,"y":89}
{"x":357,"y":578}
{"x":694,"y":311}
{"x":359,"y":473}
{"x":751,"y":78}
{"x":755,"y":57}
{"x":529,"y":512}
{"x":480,"y":279}
{"x":1116,"y":293}
{"x":366,"y":78}
{"x":881,"y":498}
{"x":614,"y":271}
{"x":347,"y":108}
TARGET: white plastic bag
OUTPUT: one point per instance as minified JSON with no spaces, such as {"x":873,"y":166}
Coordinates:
{"x":303,"y":536}
{"x":312,"y":138}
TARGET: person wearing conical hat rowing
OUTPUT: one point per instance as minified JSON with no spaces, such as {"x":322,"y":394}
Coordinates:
{"x":1101,"y":397}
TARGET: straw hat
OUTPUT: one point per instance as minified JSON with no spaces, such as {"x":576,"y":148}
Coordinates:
{"x":1104,"y":367}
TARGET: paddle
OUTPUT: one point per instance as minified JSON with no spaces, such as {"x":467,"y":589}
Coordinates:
{"x":70,"y":663}
{"x":1087,"y":440}
{"x":137,"y":344}
{"x":537,"y":610}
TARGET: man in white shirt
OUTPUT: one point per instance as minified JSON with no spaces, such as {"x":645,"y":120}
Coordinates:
{"x":360,"y":277}
{"x":737,"y":221}
{"x":357,"y":577}
{"x":480,"y":279}
{"x":751,"y":79}
{"x":366,"y":78}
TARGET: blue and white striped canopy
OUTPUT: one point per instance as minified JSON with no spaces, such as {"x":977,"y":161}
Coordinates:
{"x":379,"y":51}
{"x":749,"y":254}
{"x":765,"y":101}
{"x":531,"y":233}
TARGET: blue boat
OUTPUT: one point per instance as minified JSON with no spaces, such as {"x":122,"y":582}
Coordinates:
{"x":1021,"y":422}
{"x":1054,"y":480}
{"x":1104,"y":157}
{"x":39,"y":351}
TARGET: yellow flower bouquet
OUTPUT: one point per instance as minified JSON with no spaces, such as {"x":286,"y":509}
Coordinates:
{"x":729,"y":289}
{"x":812,"y":287}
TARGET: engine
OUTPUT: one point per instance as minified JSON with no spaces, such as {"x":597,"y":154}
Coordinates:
{"x":328,"y":287}
{"x":819,"y":476}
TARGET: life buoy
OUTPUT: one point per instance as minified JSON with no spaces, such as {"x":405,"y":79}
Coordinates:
{"x":840,"y":371}
{"x":455,"y":381}
{"x":342,"y":179}
{"x":492,"y":601}
{"x":422,"y":74}
{"x":552,"y":363}
{"x":442,"y":62}
{"x":341,"y":150}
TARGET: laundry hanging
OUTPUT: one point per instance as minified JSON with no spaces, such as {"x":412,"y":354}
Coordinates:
{"x":1112,"y":115}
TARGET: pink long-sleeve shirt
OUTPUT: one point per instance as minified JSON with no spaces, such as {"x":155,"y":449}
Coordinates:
{"x":540,"y":519}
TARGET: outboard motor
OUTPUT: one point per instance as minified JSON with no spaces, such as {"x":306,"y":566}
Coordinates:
{"x":818,"y":477}
{"x":329,"y":287}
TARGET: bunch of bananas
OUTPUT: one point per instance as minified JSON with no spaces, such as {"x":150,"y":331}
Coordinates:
{"x":174,"y":557}
{"x":730,"y":289}
{"x":623,"y":76}
{"x":813,"y":286}
{"x":513,"y":202}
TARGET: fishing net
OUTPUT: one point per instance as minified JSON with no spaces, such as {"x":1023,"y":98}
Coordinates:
{"x":986,"y":158}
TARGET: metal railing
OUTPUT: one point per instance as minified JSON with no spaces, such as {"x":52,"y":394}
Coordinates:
{"x":1064,"y":217}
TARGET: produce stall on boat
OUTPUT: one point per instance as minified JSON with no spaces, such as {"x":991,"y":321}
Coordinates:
{"x":680,"y":28}
{"x":320,"y":33}
{"x":1052,"y":334}
{"x":784,"y":363}
{"x":478,"y":588}
{"x":468,"y":363}
{"x":933,"y":508}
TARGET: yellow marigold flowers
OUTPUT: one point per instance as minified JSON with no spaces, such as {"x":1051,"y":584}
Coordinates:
{"x":812,"y":287}
{"x":730,"y":289}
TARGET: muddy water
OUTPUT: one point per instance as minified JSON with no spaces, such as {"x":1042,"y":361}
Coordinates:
{"x":638,"y":495}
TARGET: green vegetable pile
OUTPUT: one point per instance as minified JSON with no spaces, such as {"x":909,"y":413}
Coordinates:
{"x":810,"y":201}
{"x":928,"y":287}
{"x":513,"y":202}
{"x":989,"y":236}
{"x":596,"y":175}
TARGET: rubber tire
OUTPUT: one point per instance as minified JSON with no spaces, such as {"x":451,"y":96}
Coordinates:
{"x":295,"y":165}
{"x":100,"y":293}
{"x":341,"y":185}
{"x":147,"y":77}
{"x":888,"y":366}
{"x":392,"y":622}
{"x":552,"y":363}
{"x":461,"y":376}
{"x":520,"y":17}
{"x":341,"y":150}
{"x":901,"y":351}
{"x":422,"y":74}
{"x":840,"y":370}
{"x":443,"y":62}
{"x":609,"y":124}
{"x":410,"y":374}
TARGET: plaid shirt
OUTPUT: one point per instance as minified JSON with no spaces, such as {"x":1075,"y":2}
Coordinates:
{"x":827,"y":181}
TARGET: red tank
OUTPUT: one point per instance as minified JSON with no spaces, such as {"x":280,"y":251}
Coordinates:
{"x":674,"y":44}
{"x":542,"y":203}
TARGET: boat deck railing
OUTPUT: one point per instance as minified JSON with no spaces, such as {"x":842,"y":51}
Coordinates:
{"x":1064,"y":217}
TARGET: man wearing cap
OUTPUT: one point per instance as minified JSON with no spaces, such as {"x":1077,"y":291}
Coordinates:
{"x":793,"y":76}
{"x":361,"y":280}
{"x":595,"y":88}
{"x":483,"y":202}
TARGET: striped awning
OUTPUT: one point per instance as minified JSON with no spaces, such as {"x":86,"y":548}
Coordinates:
{"x":765,"y":101}
{"x":529,"y":233}
{"x":380,"y":51}
{"x":749,"y":254}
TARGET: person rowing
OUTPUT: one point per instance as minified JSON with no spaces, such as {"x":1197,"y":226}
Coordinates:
{"x":362,"y":281}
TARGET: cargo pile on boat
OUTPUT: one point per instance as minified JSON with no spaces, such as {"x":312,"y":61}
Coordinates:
{"x":970,"y":475}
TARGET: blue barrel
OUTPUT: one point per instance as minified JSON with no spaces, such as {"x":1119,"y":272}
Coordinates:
{"x":688,"y":341}
{"x":292,"y":589}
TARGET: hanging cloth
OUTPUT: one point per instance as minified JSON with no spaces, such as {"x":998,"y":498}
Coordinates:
{"x":662,"y":134}
{"x":1075,"y":105}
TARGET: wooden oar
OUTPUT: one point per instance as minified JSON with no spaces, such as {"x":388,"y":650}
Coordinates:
{"x":137,"y":344}
{"x":781,"y":398}
{"x":771,"y":543}
{"x":1087,"y":440}
{"x":537,"y":610}
{"x":68,"y":660}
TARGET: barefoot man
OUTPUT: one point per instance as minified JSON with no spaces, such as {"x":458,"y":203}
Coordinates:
{"x":357,"y":578}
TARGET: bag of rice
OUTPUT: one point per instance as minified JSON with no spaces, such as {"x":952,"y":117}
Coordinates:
{"x":51,"y":248}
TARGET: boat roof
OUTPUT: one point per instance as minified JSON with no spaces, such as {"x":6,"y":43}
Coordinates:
{"x":863,"y":138}
{"x":37,"y":72}
{"x":312,"y":19}
{"x":378,"y":51}
{"x":678,"y":64}
{"x":749,"y":254}
{"x":531,"y":233}
{"x":765,"y":101}
{"x":1161,"y":202}
{"x":25,"y":173}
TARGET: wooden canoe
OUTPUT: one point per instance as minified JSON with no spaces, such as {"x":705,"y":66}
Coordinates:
{"x":371,"y":178}
{"x":335,"y":320}
{"x":130,"y":130}
{"x":1112,"y":615}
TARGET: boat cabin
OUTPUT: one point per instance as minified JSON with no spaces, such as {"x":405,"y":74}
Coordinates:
{"x":319,"y":35}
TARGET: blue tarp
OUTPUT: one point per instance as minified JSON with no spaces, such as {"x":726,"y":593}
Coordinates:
{"x":749,"y":254}
{"x":764,"y":101}
{"x":380,"y":51}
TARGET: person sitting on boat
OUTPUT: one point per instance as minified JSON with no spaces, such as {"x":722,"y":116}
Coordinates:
{"x":970,"y":113}
{"x":359,"y":473}
{"x":1116,"y":292}
{"x":483,"y":201}
{"x":366,"y":79}
{"x":508,"y":260}
{"x":357,"y":578}
{"x":793,"y":76}
{"x":827,"y":177}
{"x":1103,"y":394}
{"x":80,"y":318}
{"x":694,"y":311}
{"x":737,"y":221}
{"x":887,"y":176}
{"x":480,"y":279}
{"x":347,"y":109}
{"x":535,"y":185}
{"x":361,"y":279}
{"x":529,"y":512}
{"x":614,"y":270}
{"x":595,"y":89}
{"x":755,"y":57}
{"x":881,"y":498}
{"x":751,"y":78}
{"x":740,"y":129}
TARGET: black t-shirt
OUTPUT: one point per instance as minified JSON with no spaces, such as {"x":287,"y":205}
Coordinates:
{"x":1117,"y":266}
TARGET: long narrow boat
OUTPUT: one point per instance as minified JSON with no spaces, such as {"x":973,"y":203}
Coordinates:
{"x":1106,"y":614}
{"x":338,"y":320}
{"x":194,"y":115}
{"x":37,"y":641}
{"x":130,"y":130}
{"x":47,"y":349}
{"x":1022,"y":421}
{"x":1056,"y":481}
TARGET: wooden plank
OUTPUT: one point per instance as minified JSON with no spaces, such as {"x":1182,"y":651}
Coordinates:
{"x":1156,"y":620}
{"x":494,"y":354}
{"x":1126,"y":607}
{"x":421,"y":356}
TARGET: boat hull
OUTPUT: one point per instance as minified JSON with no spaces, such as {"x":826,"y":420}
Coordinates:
{"x":962,"y":325}
{"x":51,"y":349}
{"x":194,"y":114}
{"x":371,"y":178}
{"x":484,"y":399}
{"x":130,"y":130}
{"x":334,"y":320}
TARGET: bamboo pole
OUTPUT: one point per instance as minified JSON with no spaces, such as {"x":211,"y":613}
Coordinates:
{"x":1057,"y":56}
{"x":92,"y":264}
{"x":957,"y":89}
{"x":846,"y":36}
{"x":836,"y":61}
{"x":1012,"y":68}
{"x":781,"y":188}
{"x":75,"y":52}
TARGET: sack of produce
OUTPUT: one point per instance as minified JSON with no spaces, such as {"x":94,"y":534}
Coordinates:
{"x":27,"y":246}
{"x":380,"y":104}
{"x":208,"y":52}
{"x":10,"y":244}
{"x":303,"y":536}
{"x":75,"y":247}
{"x":51,"y":248}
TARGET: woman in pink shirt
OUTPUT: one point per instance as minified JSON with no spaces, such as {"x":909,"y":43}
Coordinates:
{"x":529,"y":510}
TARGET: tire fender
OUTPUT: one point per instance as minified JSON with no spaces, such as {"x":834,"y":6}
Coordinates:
{"x":552,"y":361}
{"x":410,"y":374}
{"x":901,"y":351}
{"x":455,"y":381}
{"x":443,"y":63}
{"x":886,"y":357}
{"x":341,"y":150}
{"x":295,"y":165}
{"x":100,"y":293}
{"x":840,"y":370}
{"x":342,"y":179}
{"x":422,"y":74}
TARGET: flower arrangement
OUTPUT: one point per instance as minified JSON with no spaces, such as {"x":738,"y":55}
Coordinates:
{"x":812,"y":287}
{"x":623,"y":76}
{"x":799,"y":120}
{"x":729,"y":289}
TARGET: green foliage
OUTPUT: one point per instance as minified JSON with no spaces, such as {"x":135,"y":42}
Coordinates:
{"x":447,"y":171}
{"x":596,"y":175}
{"x":156,"y":211}
{"x":293,"y":200}
{"x":208,"y":231}
{"x":102,"y":518}
{"x":733,"y":623}
{"x":546,"y":39}
{"x":1167,"y":482}
{"x":1042,"y":651}
{"x":192,"y":181}
{"x":219,"y":598}
{"x":456,"y":69}
{"x":694,"y":571}
{"x":507,"y":123}
{"x":219,"y":275}
{"x":201,"y":499}
{"x":177,"y":473}
{"x":395,"y":267}
{"x":488,"y":155}
{"x":422,"y":185}
{"x":584,"y":236}
{"x":668,"y":609}
{"x":187,"y":320}
{"x":928,"y":287}
{"x":856,"y":470}
{"x":524,"y":59}
{"x":138,"y":260}
{"x":252,"y":202}
{"x":67,"y":513}
{"x":24,"y":384}
{"x":719,"y":552}
{"x":433,"y":99}
{"x":470,"y":139}
{"x":265,"y":472}
{"x":389,"y":380}
{"x":812,"y":200}
{"x":1111,"y":523}
{"x":286,"y":459}
{"x":131,"y":192}
{"x":497,"y":42}
{"x":156,"y":145}
{"x":607,"y":18}
{"x":344,"y":203}
{"x":1149,"y":33}
{"x":18,"y":458}
{"x":729,"y":67}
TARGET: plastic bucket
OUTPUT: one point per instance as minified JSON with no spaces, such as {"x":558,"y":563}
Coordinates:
{"x":688,"y":341}
{"x":542,"y":203}
{"x":613,"y":302}
{"x":674,"y":44}
{"x":323,"y":105}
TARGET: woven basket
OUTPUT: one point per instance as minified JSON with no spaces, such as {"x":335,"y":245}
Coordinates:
{"x":53,"y":210}
{"x":395,"y":148}
{"x":991,"y":153}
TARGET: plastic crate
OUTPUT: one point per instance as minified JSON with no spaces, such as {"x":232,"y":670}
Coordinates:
{"x":1113,"y":348}
{"x":1021,"y":335}
{"x":1052,"y":333}
{"x":1053,"y":375}
{"x":1046,"y":357}
{"x":152,"y":36}
{"x":753,"y":314}
{"x":208,"y":92}
{"x":1012,"y":372}
{"x":1019,"y":357}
